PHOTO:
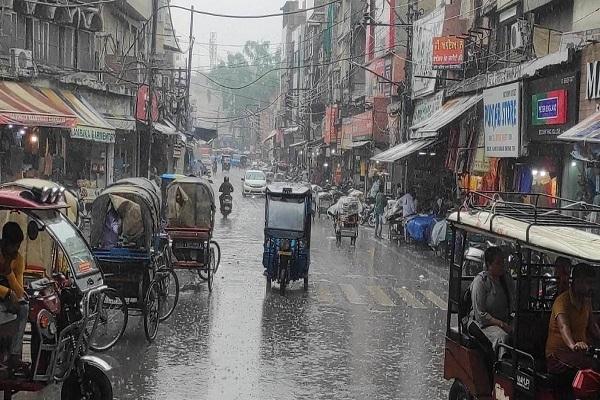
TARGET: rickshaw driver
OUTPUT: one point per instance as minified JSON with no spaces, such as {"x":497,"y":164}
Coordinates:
{"x":12,"y":267}
{"x":570,"y":323}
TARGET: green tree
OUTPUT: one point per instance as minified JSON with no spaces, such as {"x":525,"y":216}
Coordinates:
{"x":241,"y":68}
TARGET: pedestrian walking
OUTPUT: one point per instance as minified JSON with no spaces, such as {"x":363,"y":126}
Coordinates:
{"x":380,"y":203}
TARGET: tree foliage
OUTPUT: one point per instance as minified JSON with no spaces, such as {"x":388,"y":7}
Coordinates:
{"x":241,"y":68}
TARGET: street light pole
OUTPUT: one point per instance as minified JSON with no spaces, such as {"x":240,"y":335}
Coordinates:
{"x":189,"y":72}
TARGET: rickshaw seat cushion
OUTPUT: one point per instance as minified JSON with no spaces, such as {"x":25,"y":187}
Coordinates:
{"x":465,"y":339}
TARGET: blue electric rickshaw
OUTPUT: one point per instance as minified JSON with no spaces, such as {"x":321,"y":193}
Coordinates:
{"x":286,"y":254}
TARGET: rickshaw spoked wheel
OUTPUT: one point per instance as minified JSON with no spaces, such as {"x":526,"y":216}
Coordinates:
{"x":282,"y":280}
{"x":306,"y":283}
{"x":212,"y":268}
{"x":168,"y":290}
{"x":268,"y":284}
{"x":151,"y":311}
{"x":110,"y":322}
{"x":92,"y":385}
{"x":458,"y":391}
{"x":213,"y":243}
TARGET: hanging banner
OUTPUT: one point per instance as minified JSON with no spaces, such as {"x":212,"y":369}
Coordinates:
{"x":502,"y":120}
{"x":424,"y":30}
{"x":448,"y":52}
{"x":425,"y":107}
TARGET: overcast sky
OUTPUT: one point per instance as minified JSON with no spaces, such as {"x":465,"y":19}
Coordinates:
{"x":231,"y":33}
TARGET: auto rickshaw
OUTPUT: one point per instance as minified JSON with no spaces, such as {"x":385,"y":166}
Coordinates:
{"x":190,"y":222}
{"x":535,"y":235}
{"x":225,"y":162}
{"x":125,"y":237}
{"x":62,"y":281}
{"x":286,"y":256}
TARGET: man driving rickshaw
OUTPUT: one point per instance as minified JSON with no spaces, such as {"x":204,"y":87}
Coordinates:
{"x":12,"y":267}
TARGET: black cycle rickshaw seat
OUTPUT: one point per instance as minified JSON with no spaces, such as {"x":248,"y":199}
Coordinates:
{"x":463,"y":338}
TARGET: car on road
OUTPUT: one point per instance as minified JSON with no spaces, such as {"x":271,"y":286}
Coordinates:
{"x":254,"y":182}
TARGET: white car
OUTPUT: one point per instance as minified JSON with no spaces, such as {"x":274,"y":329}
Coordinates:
{"x":255,"y":182}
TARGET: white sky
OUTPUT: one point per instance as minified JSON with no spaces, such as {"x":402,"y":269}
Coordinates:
{"x":229,"y":31}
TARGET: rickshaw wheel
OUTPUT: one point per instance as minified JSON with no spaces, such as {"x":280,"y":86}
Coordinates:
{"x":93,"y":385}
{"x":282,"y":281}
{"x":151,"y":311}
{"x":268,"y":284}
{"x":214,"y":244}
{"x":306,"y":283}
{"x":458,"y":391}
{"x":105,"y":320}
{"x":168,"y":286}
{"x":212,"y":268}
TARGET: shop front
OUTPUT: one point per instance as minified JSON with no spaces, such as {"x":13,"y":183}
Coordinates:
{"x":126,"y":145}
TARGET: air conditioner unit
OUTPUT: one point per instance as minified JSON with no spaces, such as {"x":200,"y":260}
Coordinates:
{"x":21,"y":62}
{"x":518,"y":32}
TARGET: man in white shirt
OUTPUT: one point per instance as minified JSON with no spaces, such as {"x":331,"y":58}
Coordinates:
{"x":409,"y":203}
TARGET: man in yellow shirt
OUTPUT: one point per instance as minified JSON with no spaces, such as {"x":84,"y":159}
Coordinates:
{"x":571,"y":324}
{"x":12,"y":266}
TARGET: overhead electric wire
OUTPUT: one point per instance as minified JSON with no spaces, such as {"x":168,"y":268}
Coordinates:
{"x":282,"y":14}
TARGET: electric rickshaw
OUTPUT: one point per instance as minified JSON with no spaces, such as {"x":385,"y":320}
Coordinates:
{"x":286,"y":256}
{"x":190,"y":221}
{"x":125,"y":237}
{"x":534,"y":229}
{"x":62,"y":282}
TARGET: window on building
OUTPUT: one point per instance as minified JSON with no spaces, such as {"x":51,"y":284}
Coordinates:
{"x":8,"y":31}
{"x":29,"y":33}
{"x":53,"y":45}
{"x":66,"y":46}
{"x":41,"y":33}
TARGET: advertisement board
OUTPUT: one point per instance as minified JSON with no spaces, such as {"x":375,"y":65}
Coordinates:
{"x":423,"y":108}
{"x":448,"y":52}
{"x":551,"y":107}
{"x":424,"y":30}
{"x":502,"y":120}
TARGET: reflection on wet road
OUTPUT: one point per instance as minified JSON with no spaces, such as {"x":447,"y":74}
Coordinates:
{"x":370,"y":327}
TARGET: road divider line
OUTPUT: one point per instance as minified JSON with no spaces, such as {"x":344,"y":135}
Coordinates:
{"x":351,"y":294}
{"x":380,"y":296}
{"x":409,"y":298}
{"x":435,"y":299}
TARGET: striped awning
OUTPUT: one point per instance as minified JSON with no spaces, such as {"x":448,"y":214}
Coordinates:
{"x":91,"y":125}
{"x":23,"y":104}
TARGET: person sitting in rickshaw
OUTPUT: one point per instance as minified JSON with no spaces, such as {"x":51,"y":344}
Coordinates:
{"x":572,"y":324}
{"x":225,"y":189}
{"x":492,"y":295}
{"x":12,"y":292}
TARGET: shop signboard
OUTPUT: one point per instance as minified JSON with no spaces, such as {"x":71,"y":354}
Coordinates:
{"x":425,"y":107}
{"x":142,"y":102}
{"x":358,"y":127}
{"x":552,"y":107}
{"x":448,"y":52}
{"x":424,"y":30}
{"x":93,"y":134}
{"x":502,"y":120}
{"x":330,"y":128}
{"x":589,"y":88}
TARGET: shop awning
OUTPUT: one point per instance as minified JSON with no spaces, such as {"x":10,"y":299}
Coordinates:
{"x":402,"y":150}
{"x":23,"y":104}
{"x":294,"y":129}
{"x":449,"y":111}
{"x":91,"y":124}
{"x":358,"y":144}
{"x":587,"y":130}
{"x":165,"y":127}
{"x":121,"y":122}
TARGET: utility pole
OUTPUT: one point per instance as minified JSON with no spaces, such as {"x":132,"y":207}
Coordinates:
{"x":151,"y":61}
{"x":189,"y":72}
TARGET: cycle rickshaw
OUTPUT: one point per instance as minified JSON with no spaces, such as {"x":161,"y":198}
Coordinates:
{"x":345,"y":218}
{"x":125,"y":236}
{"x":286,"y":255}
{"x":190,"y":218}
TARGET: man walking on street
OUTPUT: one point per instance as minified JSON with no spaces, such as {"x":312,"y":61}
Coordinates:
{"x":380,"y":203}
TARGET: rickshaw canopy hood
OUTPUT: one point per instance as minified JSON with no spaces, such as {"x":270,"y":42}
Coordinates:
{"x":563,"y":240}
{"x":137,"y":201}
{"x":72,"y":202}
{"x":291,"y":189}
{"x":190,"y":203}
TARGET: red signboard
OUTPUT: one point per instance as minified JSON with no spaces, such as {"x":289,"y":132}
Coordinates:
{"x":330,"y":128}
{"x":359,"y":126}
{"x":141,"y":105}
{"x":549,"y":108}
{"x":448,"y":52}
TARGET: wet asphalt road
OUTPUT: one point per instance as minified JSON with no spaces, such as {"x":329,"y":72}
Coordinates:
{"x":370,"y":327}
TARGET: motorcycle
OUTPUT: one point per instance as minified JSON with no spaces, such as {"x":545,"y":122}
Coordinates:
{"x":367,"y":215}
{"x":226,"y":205}
{"x":214,"y":169}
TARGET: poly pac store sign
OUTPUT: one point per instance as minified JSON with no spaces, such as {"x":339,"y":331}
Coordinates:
{"x":448,"y":52}
{"x":552,"y":107}
{"x":501,"y":120}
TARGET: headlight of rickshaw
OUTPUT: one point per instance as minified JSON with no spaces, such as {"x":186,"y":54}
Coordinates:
{"x":47,"y":324}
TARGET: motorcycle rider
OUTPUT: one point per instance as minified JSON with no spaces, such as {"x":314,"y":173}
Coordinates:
{"x":226,"y":188}
{"x":12,"y":292}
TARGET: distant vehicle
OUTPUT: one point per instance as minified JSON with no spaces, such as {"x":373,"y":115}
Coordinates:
{"x":279,"y":177}
{"x":270,"y":176}
{"x":254,"y":182}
